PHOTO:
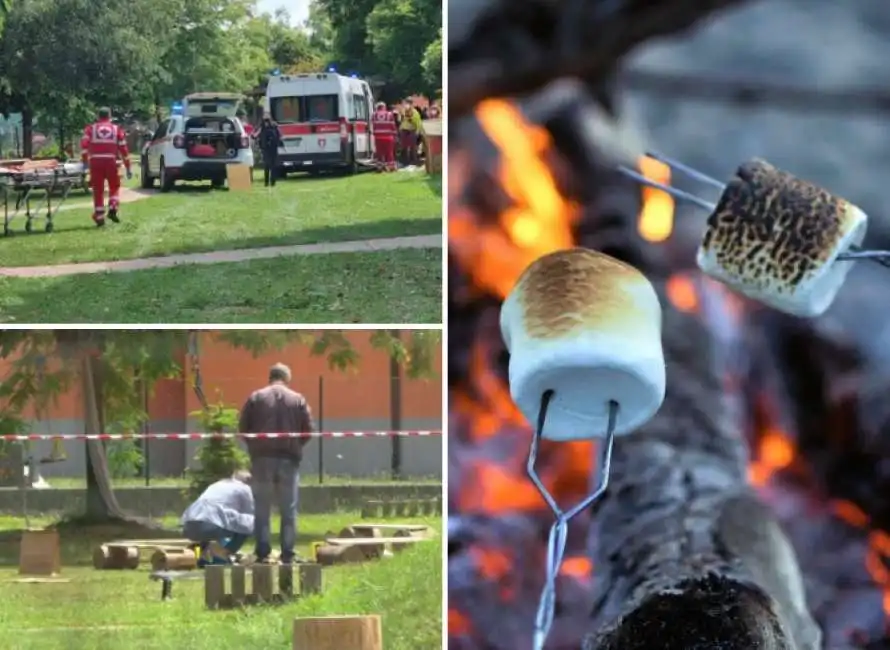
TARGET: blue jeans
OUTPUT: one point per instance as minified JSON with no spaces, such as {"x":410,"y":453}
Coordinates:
{"x":271,"y":477}
{"x":204,"y":532}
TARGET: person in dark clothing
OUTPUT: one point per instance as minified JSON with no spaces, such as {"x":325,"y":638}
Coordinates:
{"x":269,"y":138}
{"x":275,"y":462}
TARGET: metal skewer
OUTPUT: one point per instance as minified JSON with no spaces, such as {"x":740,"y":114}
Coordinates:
{"x":556,"y":545}
{"x":852,"y":253}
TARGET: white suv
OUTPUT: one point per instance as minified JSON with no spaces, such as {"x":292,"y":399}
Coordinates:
{"x":198,"y":144}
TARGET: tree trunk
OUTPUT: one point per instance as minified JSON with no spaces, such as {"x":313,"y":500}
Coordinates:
{"x":684,"y":551}
{"x":27,"y":132}
{"x":101,"y":503}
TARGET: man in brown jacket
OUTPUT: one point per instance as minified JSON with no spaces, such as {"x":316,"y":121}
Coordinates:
{"x":275,"y":462}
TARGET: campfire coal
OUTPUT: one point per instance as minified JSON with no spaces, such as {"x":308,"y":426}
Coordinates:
{"x":749,"y":513}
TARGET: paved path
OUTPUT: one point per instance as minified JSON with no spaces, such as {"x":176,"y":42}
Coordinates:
{"x":361,"y":246}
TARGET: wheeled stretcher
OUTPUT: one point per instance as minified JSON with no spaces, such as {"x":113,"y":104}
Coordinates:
{"x":52,"y":177}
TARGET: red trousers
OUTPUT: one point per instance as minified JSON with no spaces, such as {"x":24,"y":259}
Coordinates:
{"x":386,"y":149}
{"x":102,"y":170}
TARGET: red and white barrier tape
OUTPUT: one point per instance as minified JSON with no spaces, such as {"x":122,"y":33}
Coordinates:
{"x":206,"y":436}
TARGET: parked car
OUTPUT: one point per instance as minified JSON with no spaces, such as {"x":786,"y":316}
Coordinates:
{"x":198,"y":143}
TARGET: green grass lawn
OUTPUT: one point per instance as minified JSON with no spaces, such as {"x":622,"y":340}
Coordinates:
{"x":402,"y":286}
{"x":300,"y":210}
{"x":110,"y":610}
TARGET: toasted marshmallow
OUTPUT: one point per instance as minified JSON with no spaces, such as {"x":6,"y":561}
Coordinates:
{"x":775,"y":238}
{"x":587,"y":327}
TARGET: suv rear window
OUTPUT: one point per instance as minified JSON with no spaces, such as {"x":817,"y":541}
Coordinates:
{"x":306,"y":108}
{"x":210,"y":125}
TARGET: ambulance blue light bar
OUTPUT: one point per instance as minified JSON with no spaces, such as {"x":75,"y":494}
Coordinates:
{"x":176,"y":108}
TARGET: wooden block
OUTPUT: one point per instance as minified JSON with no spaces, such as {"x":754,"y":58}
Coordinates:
{"x":180,"y":559}
{"x":123,"y":557}
{"x":239,"y":585}
{"x":310,"y":579}
{"x":286,"y":580}
{"x":338,"y":633}
{"x":40,"y":553}
{"x":400,"y":508}
{"x":330,"y":555}
{"x":396,"y":547}
{"x":101,"y":555}
{"x":369,"y":511}
{"x":262,"y":582}
{"x":412,"y":509}
{"x":238,"y":177}
{"x":214,"y":585}
{"x":226,"y":601}
{"x":387,"y":509}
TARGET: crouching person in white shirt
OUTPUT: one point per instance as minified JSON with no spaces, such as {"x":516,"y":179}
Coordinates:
{"x":222,"y":516}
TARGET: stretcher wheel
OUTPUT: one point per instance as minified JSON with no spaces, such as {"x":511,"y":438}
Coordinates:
{"x":28,"y":226}
{"x":49,"y":226}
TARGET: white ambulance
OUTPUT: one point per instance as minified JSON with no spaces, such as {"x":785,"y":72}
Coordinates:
{"x":324,"y":119}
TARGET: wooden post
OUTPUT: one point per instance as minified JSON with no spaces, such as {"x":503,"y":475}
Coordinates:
{"x":286,"y":580}
{"x":338,"y":633}
{"x":310,"y":579}
{"x":214,"y":585}
{"x":40,"y":553}
{"x":262,"y":582}
{"x":239,"y":585}
{"x":387,"y":509}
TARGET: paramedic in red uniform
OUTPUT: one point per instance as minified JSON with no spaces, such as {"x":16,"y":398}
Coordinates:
{"x":101,"y":144}
{"x":384,"y":124}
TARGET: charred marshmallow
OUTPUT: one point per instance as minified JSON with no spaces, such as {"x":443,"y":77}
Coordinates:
{"x":587,"y":327}
{"x":775,"y":238}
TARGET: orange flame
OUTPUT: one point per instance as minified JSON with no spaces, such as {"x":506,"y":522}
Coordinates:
{"x":656,"y":220}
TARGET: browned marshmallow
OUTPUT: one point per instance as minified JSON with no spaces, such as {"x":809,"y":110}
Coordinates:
{"x":775,"y":238}
{"x":588,"y":327}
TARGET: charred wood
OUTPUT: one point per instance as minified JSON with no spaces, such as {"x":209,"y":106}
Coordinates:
{"x":512,"y":48}
{"x":684,"y":551}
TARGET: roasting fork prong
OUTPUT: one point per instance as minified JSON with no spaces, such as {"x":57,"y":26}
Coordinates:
{"x":851,"y":254}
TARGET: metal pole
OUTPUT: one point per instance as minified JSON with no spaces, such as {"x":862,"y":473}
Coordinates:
{"x":320,"y":420}
{"x":146,"y":443}
{"x":26,"y":483}
{"x":395,"y":413}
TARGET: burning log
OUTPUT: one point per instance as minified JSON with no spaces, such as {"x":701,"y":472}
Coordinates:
{"x":683,"y":549}
{"x":512,"y":48}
